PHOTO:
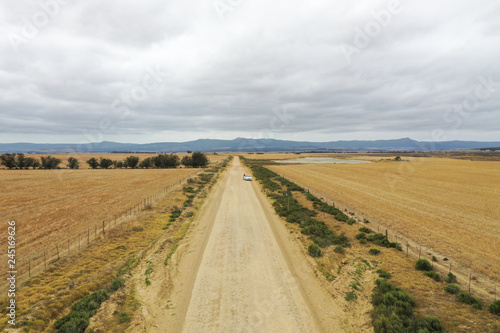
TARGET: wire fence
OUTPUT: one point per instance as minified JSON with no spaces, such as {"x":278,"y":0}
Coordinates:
{"x":48,"y":254}
{"x":476,"y":283}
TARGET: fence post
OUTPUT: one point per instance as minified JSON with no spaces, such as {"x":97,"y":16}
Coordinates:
{"x":45,"y":259}
{"x":103,"y":228}
{"x":95,"y":236}
{"x":450,"y":268}
{"x":68,"y":246}
{"x":88,"y":235}
{"x":57,"y":247}
{"x":79,"y":242}
{"x":386,"y":234}
{"x":470,"y":277}
{"x":419,"y":252}
{"x":407,"y":248}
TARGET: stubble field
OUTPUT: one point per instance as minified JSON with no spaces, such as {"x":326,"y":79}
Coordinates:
{"x":51,"y":207}
{"x":445,"y":204}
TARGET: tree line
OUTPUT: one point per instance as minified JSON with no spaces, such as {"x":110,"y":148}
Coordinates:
{"x":160,"y":161}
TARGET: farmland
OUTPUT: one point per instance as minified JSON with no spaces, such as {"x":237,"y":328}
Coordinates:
{"x":51,"y":207}
{"x":448,"y":205}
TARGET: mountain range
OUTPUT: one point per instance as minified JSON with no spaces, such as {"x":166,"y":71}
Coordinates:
{"x":244,"y":145}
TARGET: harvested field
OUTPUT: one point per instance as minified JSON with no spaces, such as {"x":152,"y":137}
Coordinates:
{"x":51,"y":207}
{"x":445,"y":204}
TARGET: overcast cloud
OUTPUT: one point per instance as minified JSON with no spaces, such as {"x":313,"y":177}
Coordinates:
{"x":320,"y":70}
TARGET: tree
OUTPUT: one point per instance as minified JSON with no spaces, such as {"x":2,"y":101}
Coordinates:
{"x":105,"y":163}
{"x":9,"y":160}
{"x":93,"y":163}
{"x":397,"y":158}
{"x":50,"y":162}
{"x":73,"y":163}
{"x":163,"y":161}
{"x":200,"y":160}
{"x":31,"y":162}
{"x":146,"y":163}
{"x":131,"y":162}
{"x":187,"y":161}
{"x":119,"y":164}
{"x":21,"y":161}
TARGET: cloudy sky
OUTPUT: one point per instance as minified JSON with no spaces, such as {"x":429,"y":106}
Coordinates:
{"x":320,"y":70}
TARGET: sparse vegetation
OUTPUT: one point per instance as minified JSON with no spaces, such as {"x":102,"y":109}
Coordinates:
{"x":383,"y":274}
{"x":314,"y":250}
{"x":451,"y":278}
{"x":423,"y":265}
{"x":433,"y":275}
{"x":393,"y":311}
{"x":467,"y":298}
{"x":494,"y":308}
{"x":452,"y":289}
{"x":374,"y":252}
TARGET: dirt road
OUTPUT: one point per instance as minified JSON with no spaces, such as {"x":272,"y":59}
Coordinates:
{"x":239,"y":270}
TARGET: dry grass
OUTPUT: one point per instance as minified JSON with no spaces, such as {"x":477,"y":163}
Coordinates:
{"x":448,"y":205}
{"x":52,"y":206}
{"x":431,"y":298}
{"x":49,"y":295}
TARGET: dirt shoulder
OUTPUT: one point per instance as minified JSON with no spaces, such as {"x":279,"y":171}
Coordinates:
{"x":238,"y":269}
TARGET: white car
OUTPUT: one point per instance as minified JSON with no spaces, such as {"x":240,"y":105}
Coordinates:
{"x":247,"y":177}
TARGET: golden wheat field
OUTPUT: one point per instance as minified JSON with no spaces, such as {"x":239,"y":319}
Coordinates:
{"x":448,"y":205}
{"x":51,"y":207}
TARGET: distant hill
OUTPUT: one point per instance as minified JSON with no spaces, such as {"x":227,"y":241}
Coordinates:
{"x":244,"y":145}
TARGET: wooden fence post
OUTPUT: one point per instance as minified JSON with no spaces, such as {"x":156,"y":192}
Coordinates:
{"x":57,"y":247}
{"x":407,"y":248}
{"x":68,"y":246}
{"x":103,"y":228}
{"x":470,"y":278}
{"x":45,"y":259}
{"x":419,"y":252}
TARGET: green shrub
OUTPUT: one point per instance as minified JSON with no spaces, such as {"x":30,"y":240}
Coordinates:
{"x":433,"y":275}
{"x":434,"y":259}
{"x":363,"y":241}
{"x":374,"y":252}
{"x":124,"y":317}
{"x":189,"y":214}
{"x":393,"y":311}
{"x":117,"y":284}
{"x":351,"y":221}
{"x":494,"y":307}
{"x":467,"y":298}
{"x":423,"y":265}
{"x":383,"y":274}
{"x":398,"y":247}
{"x":78,"y":320}
{"x":339,"y":249}
{"x":428,"y":324}
{"x":314,"y":250}
{"x":381,"y":240}
{"x":452,"y":289}
{"x":451,"y":278}
{"x":351,"y":296}
{"x":361,"y":235}
{"x":366,"y":230}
